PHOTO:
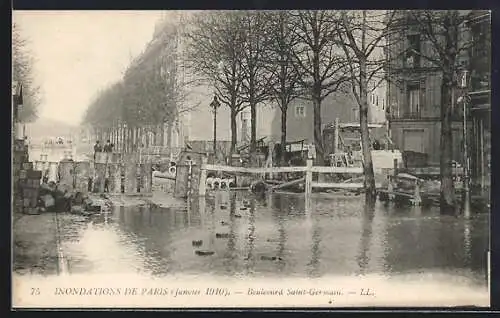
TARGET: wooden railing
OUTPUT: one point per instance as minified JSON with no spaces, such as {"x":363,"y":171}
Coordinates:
{"x":308,"y":170}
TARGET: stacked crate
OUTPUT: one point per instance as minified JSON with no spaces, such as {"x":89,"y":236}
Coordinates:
{"x":19,"y":157}
{"x":31,"y":188}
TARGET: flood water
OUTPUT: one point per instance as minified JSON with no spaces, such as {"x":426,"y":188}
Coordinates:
{"x":277,"y":236}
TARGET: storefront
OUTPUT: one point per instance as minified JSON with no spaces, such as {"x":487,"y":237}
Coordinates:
{"x":481,"y":138}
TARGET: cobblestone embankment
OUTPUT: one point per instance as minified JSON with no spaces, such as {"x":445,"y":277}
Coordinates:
{"x":35,"y":244}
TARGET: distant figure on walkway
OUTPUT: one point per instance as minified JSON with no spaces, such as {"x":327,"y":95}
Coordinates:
{"x":106,"y":184}
{"x":97,"y":148}
{"x":108,"y":147}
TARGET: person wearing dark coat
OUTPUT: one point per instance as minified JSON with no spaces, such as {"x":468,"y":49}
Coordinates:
{"x":108,"y":147}
{"x":97,"y":148}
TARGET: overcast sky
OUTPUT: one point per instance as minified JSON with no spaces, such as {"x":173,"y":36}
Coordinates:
{"x":79,"y":52}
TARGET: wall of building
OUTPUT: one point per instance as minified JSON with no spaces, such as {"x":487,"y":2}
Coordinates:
{"x":431,"y":138}
{"x":377,"y":100}
{"x":201,"y":121}
{"x":337,"y":105}
{"x":300,"y":125}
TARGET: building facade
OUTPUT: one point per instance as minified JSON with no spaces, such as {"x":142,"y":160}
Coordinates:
{"x":414,"y":94}
{"x":300,"y":125}
{"x":480,"y":95}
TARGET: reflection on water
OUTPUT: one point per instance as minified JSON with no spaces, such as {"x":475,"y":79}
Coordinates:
{"x":278,"y":235}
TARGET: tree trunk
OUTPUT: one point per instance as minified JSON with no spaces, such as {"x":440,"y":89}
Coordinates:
{"x":130,"y":139}
{"x":284,"y":110}
{"x":234,"y":131}
{"x":162,"y":135}
{"x":169,"y":138}
{"x":318,"y":136}
{"x":253,"y":133}
{"x":371,"y":191}
{"x":447,"y":198}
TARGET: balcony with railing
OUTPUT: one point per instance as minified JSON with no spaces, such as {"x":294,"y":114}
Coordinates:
{"x":457,"y":115}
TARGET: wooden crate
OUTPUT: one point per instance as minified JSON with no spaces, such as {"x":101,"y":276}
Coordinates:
{"x":33,"y":183}
{"x":27,"y":165}
{"x":31,"y":211}
{"x":34,"y":174}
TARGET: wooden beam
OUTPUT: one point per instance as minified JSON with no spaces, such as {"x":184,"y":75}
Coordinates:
{"x":287,"y":184}
{"x":328,"y":169}
{"x":320,"y":169}
{"x":308,"y":177}
{"x":331,"y":185}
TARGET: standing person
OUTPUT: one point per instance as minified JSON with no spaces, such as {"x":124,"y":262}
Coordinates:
{"x":107,"y":146}
{"x":97,"y":148}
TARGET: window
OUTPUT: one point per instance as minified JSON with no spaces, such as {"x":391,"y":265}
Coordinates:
{"x":383,"y":104}
{"x":376,"y":103}
{"x":300,"y":111}
{"x":479,"y":39}
{"x":413,"y":98}
{"x":413,"y":56}
{"x":355,"y":112}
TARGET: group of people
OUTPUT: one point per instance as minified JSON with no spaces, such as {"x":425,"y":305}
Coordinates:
{"x":108,"y":147}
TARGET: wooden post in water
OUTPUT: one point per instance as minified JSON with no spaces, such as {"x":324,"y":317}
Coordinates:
{"x":82,"y":170}
{"x":308,"y":177}
{"x":100,"y":171}
{"x":336,"y":136}
{"x":66,"y":171}
{"x":130,"y":176}
{"x":114,"y":177}
{"x":146,"y":176}
{"x":202,"y":189}
{"x":417,"y":199}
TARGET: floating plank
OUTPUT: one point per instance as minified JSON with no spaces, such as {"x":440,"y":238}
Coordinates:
{"x":287,"y":184}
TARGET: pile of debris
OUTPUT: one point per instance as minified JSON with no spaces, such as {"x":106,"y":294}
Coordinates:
{"x":57,"y":198}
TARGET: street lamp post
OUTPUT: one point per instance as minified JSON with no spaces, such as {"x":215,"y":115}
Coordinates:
{"x":465,"y":99}
{"x":214,"y":105}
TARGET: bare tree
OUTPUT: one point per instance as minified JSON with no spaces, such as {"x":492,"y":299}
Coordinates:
{"x":22,"y":71}
{"x":215,"y":52}
{"x":361,"y":36}
{"x":319,"y":61}
{"x":256,"y":78}
{"x":283,"y":88}
{"x":152,"y":92}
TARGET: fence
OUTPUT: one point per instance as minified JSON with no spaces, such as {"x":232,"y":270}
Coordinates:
{"x":109,"y":172}
{"x":308,"y":171}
